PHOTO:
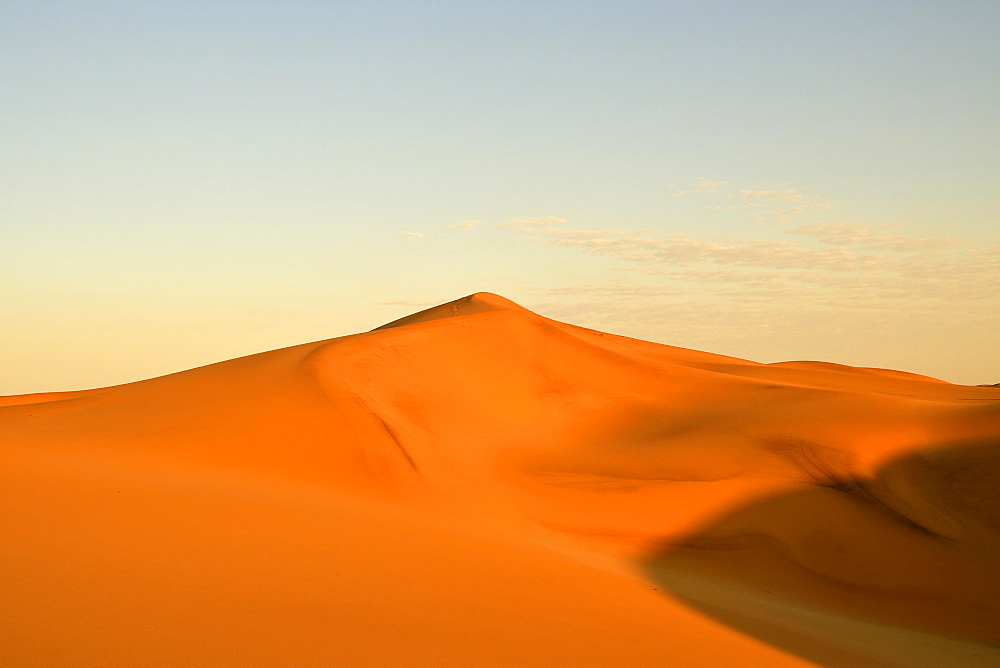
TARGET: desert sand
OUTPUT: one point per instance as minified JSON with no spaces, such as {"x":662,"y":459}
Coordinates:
{"x":476,"y":484}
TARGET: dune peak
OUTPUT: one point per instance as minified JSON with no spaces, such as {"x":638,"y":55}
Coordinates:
{"x":478,"y":302}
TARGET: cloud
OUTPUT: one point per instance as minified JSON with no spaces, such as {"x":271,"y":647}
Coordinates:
{"x":465,"y":225}
{"x":412,"y":235}
{"x":595,"y":236}
{"x":616,"y":289}
{"x":533,"y":224}
{"x":818,"y":265}
{"x":871,"y":236}
{"x":708,"y":186}
{"x":679,"y":250}
{"x":785,"y":216}
{"x":787,"y":195}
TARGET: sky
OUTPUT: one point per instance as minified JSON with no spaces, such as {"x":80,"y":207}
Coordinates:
{"x":187,"y":182}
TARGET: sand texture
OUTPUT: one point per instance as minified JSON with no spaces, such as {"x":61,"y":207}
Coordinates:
{"x":479,"y":485}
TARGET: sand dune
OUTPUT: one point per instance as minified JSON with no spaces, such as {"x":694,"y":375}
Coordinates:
{"x":476,"y":484}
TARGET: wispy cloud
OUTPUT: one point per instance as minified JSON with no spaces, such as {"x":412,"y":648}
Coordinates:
{"x":617,"y":289}
{"x":891,"y":238}
{"x":787,"y":195}
{"x":705,"y":186}
{"x":684,"y":250}
{"x":787,"y":215}
{"x":465,"y":225}
{"x":527,"y":224}
{"x":412,"y":235}
{"x":819,"y":264}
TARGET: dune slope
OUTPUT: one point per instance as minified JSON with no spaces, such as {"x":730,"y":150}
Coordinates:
{"x":477,"y":484}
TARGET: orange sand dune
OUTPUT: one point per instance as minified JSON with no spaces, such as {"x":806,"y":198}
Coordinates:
{"x":476,"y":484}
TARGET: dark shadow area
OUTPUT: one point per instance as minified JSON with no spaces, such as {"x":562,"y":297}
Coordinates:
{"x":902,"y":568}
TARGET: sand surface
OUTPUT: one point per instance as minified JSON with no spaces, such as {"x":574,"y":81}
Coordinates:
{"x":476,"y":484}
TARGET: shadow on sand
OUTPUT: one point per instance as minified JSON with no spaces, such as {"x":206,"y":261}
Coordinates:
{"x":899,"y":569}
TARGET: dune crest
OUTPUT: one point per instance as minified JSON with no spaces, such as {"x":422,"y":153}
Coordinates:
{"x":478,"y":483}
{"x":480,"y":302}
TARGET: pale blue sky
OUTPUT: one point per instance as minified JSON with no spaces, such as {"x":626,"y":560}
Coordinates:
{"x":184,"y":182}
